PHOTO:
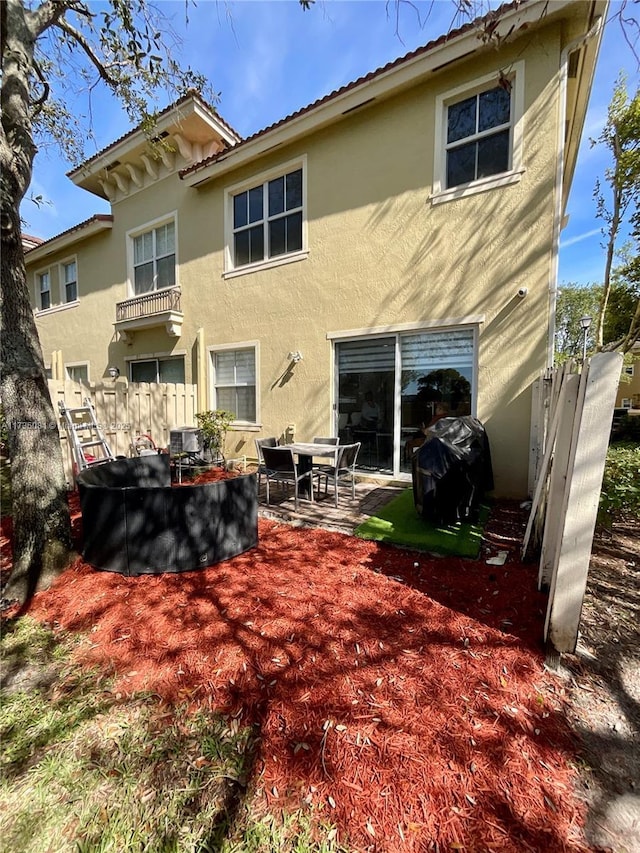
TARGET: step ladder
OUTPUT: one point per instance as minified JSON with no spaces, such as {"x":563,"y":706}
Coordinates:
{"x":87,"y":440}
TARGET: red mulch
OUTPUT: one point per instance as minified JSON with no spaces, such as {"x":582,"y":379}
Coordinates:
{"x":401,"y":695}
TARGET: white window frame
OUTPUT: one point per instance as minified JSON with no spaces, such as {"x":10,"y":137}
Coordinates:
{"x":626,"y":402}
{"x":231,"y":271}
{"x":72,"y":364}
{"x":63,"y":285}
{"x":211,"y":351}
{"x":628,"y":369}
{"x":38,"y":292}
{"x":440,"y":191}
{"x":157,"y":357}
{"x":138,"y":232}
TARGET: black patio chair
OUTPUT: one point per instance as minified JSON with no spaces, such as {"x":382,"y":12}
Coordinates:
{"x":280,"y":467}
{"x":344,"y":468}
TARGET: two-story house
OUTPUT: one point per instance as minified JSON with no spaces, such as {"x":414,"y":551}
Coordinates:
{"x":395,"y":240}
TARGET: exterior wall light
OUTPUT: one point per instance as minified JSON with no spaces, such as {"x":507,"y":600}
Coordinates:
{"x":295,"y":356}
{"x":113,"y":372}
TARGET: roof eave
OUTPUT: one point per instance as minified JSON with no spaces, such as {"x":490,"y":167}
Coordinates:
{"x":382,"y":84}
{"x":137,"y":137}
{"x":61,"y":242}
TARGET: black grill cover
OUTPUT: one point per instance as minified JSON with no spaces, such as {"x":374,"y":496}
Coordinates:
{"x":452,"y":471}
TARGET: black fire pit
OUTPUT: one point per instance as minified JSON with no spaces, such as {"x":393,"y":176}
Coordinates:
{"x":134,"y":522}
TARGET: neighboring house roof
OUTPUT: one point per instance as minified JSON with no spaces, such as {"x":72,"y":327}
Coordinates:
{"x":30,"y":242}
{"x":94,"y":225}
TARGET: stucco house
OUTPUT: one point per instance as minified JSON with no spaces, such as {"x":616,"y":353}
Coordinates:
{"x":396,"y":239}
{"x":628,"y":396}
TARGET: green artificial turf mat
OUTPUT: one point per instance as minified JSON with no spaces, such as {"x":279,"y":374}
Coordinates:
{"x":399,"y":523}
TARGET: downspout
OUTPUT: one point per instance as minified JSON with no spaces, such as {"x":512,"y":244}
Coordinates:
{"x":201,"y":372}
{"x":558,"y":217}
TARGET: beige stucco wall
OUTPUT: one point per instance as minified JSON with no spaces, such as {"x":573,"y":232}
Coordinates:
{"x":379,"y":254}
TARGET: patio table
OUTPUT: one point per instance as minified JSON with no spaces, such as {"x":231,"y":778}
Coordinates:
{"x":305,"y":451}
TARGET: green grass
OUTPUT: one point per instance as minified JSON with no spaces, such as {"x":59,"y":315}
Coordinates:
{"x":87,"y":771}
{"x":398,"y":523}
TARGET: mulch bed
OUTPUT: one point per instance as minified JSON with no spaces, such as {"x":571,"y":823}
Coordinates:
{"x":401,"y":695}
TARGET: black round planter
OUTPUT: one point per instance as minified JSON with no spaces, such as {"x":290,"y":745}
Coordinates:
{"x":134,"y":522}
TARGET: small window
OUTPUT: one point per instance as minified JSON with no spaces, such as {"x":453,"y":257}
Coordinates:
{"x":234,"y":373}
{"x":267,"y":220}
{"x":154,"y":258}
{"x":478,"y":136}
{"x":77,"y":373}
{"x":44,"y":290}
{"x":170,"y":370}
{"x":626,"y":402}
{"x":628,"y":369}
{"x":69,"y":281}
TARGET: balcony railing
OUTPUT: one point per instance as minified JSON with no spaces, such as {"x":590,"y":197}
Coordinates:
{"x":148,"y":304}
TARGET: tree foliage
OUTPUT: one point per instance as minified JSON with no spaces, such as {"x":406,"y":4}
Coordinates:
{"x":621,"y":135}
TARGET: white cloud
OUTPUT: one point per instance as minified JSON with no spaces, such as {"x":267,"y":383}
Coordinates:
{"x":579,"y":238}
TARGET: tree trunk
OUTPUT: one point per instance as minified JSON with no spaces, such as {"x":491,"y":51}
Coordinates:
{"x":41,"y":525}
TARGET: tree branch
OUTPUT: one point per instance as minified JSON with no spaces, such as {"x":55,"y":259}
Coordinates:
{"x":40,"y":102}
{"x":77,"y":36}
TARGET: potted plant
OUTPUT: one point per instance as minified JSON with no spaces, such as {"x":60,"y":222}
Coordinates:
{"x":214,"y":426}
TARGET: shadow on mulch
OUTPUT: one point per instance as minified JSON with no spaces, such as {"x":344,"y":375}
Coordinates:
{"x":401,"y":696}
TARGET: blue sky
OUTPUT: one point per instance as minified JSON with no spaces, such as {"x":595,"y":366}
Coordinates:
{"x":268,"y":58}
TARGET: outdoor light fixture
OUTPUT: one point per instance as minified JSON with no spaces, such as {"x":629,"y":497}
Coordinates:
{"x":113,"y":372}
{"x":295,"y":356}
{"x":585,"y":322}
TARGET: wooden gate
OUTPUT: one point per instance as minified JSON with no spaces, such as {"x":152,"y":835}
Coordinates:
{"x":571,"y":425}
{"x":126,"y":410}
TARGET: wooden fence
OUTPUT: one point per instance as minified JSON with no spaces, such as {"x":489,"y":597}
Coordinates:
{"x":126,"y":410}
{"x":571,"y":425}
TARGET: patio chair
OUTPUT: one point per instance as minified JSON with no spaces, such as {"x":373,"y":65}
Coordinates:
{"x":270,"y":441}
{"x":280,"y":467}
{"x":343,"y":469}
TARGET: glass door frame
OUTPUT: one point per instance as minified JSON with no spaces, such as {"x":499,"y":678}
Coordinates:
{"x":397,"y":333}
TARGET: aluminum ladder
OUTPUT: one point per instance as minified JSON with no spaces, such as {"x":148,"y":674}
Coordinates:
{"x":85,"y":434}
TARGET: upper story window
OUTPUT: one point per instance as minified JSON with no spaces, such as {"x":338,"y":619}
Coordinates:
{"x":44,"y":289}
{"x":479,"y":136}
{"x":69,"y":280}
{"x":154,"y":257}
{"x":266,"y":220}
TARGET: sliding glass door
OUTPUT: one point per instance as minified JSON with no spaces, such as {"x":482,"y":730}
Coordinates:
{"x":390,"y":387}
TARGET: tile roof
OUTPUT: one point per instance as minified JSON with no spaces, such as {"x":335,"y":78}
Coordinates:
{"x":97,"y":217}
{"x":191,"y":94}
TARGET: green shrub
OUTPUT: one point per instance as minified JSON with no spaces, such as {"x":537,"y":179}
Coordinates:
{"x":620,"y":495}
{"x":214,"y":426}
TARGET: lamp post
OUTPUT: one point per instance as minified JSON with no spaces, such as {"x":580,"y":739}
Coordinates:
{"x":585,"y":322}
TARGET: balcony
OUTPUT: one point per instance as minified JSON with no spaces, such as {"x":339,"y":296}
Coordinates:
{"x":157,"y":308}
